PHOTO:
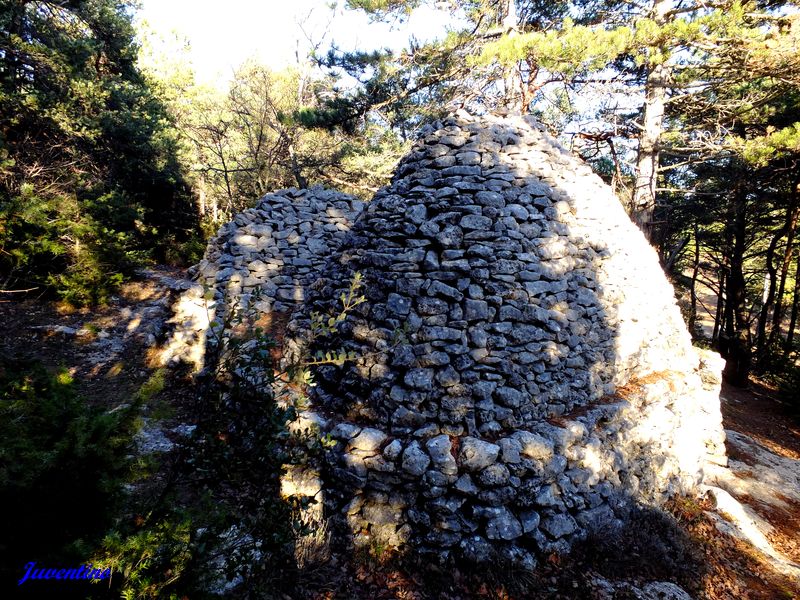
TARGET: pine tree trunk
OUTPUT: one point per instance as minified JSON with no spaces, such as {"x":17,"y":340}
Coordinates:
{"x":770,"y":289}
{"x":693,"y":286}
{"x":787,"y":348}
{"x":514,"y":88}
{"x":718,"y":322}
{"x":297,"y":171}
{"x":737,"y":329}
{"x":644,"y":193}
{"x":792,"y":218}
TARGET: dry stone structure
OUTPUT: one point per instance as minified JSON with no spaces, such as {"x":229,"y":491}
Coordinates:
{"x":275,"y":246}
{"x":524,"y":373}
{"x":275,"y":249}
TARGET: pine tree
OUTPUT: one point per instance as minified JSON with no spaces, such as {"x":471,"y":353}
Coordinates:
{"x":89,"y":183}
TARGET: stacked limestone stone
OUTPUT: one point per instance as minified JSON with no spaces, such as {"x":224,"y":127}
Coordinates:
{"x":275,"y":248}
{"x":276,"y":245}
{"x":524,"y":372}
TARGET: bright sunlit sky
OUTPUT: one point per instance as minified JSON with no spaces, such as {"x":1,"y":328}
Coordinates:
{"x":224,"y":34}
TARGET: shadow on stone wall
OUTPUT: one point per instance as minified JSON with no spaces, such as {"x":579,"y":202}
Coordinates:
{"x":524,"y":376}
{"x":265,"y":257}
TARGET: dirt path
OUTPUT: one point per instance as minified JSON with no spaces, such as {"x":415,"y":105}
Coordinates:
{"x":109,"y":351}
{"x":757,"y":498}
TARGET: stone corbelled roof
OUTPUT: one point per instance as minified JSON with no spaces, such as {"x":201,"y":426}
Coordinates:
{"x":514,"y":278}
{"x":277,"y":245}
{"x":523,"y":367}
{"x":275,"y":249}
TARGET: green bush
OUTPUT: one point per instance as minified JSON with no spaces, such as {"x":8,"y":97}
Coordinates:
{"x":62,"y":464}
{"x":781,"y":369}
{"x":788,"y":381}
{"x":90,"y":181}
{"x":62,"y":244}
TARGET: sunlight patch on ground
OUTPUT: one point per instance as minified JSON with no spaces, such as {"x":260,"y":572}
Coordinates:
{"x":766,"y":478}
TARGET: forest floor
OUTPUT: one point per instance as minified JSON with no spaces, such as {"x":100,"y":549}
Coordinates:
{"x":742,"y":538}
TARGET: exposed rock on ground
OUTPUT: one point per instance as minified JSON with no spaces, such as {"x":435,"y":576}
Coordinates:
{"x":757,"y":489}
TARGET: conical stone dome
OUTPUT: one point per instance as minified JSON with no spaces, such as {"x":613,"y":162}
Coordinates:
{"x":267,"y":254}
{"x":523,"y":371}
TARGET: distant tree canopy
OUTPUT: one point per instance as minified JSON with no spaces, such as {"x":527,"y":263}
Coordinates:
{"x":89,"y":181}
{"x":719,"y":61}
{"x":257,"y":133}
{"x":252,"y":140}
